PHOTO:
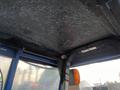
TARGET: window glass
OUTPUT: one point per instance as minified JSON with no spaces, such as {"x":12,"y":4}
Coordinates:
{"x":33,"y":77}
{"x":100,"y":76}
{"x":4,"y":66}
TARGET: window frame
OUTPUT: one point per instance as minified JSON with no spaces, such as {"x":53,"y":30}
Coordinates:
{"x":20,"y":54}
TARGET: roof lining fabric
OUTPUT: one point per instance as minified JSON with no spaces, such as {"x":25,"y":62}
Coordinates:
{"x":54,"y":24}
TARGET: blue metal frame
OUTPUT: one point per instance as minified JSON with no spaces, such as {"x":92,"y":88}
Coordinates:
{"x":6,"y":51}
{"x":20,"y":54}
{"x":12,"y":70}
{"x":39,"y":59}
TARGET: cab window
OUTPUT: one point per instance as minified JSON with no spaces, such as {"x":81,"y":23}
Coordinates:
{"x":31,"y":76}
{"x":5,"y":63}
{"x":100,"y":76}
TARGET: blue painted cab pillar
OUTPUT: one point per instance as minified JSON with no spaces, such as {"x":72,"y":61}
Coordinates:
{"x":12,"y":70}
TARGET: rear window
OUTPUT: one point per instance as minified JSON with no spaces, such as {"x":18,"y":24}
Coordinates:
{"x":31,"y":76}
{"x":100,"y":76}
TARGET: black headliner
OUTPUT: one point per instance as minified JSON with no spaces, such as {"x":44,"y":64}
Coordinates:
{"x":51,"y":25}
